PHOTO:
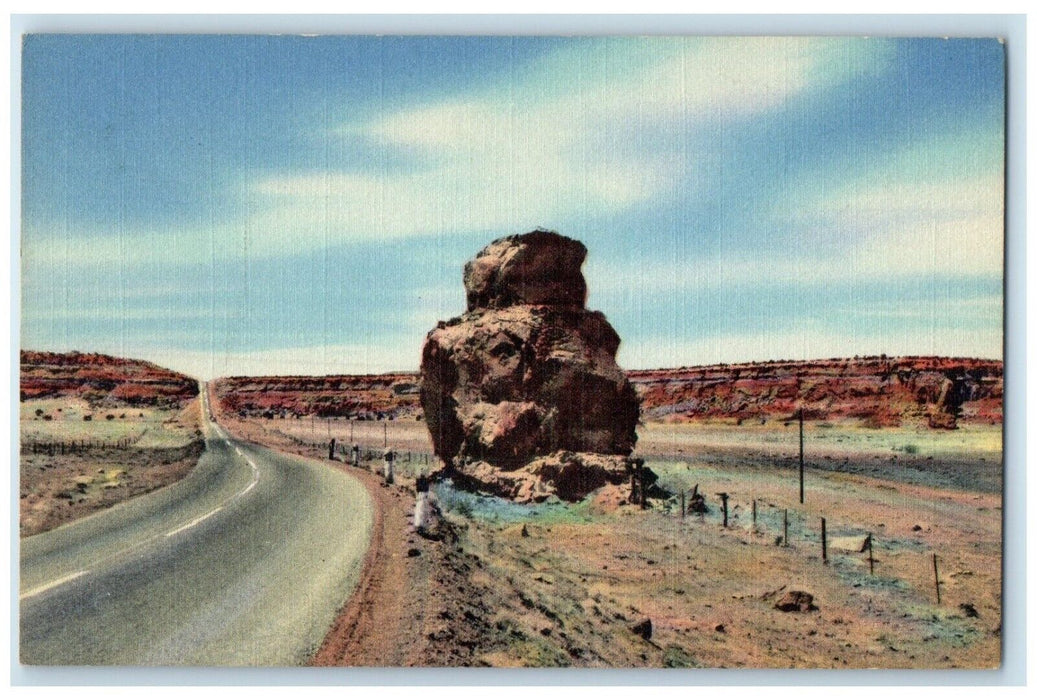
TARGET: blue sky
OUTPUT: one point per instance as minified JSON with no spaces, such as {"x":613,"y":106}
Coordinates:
{"x":245,"y":204}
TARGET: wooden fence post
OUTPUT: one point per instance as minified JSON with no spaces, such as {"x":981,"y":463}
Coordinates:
{"x":824,"y":542}
{"x":936,"y":578}
{"x":871,"y":557}
{"x":682,"y":504}
{"x":723,"y":500}
{"x":785,"y":541}
{"x":754,"y":513}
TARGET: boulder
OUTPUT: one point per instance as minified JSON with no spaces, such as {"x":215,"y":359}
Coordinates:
{"x":540,"y":267}
{"x":796,"y":601}
{"x":527,"y":372}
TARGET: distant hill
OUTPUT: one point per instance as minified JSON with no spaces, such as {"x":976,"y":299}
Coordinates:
{"x":102,"y":380}
{"x":878,"y":391}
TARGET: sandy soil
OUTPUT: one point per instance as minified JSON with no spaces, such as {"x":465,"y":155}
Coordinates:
{"x":560,"y":585}
{"x":70,"y":468}
{"x":584,"y":575}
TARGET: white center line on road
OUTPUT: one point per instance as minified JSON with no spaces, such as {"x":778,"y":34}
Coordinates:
{"x":52,"y":584}
{"x":71,"y":577}
{"x":194,"y":522}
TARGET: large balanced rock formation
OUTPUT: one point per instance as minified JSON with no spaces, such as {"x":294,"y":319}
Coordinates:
{"x":520,"y":388}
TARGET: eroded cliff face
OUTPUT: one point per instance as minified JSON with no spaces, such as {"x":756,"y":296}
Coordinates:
{"x":102,"y":380}
{"x":939,"y":392}
{"x":908,"y":391}
{"x":526,"y":373}
{"x":358,"y":396}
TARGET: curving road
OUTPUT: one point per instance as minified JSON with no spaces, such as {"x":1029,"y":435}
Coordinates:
{"x":244,"y":562}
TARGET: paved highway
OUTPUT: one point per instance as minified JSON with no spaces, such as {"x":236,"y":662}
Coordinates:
{"x":244,"y":562}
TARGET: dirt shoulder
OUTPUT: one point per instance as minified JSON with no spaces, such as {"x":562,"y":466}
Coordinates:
{"x":413,"y":592}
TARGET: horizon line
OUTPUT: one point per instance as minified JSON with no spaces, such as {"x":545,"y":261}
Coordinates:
{"x":627,"y":370}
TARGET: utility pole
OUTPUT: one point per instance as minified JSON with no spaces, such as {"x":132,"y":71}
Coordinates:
{"x":800,"y":455}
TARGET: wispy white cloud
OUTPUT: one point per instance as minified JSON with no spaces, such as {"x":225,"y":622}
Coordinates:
{"x":979,"y":308}
{"x":525,"y":155}
{"x":873,"y":232}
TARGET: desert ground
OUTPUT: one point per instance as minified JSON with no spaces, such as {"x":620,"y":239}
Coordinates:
{"x":601,"y":582}
{"x":557,"y":584}
{"x":71,"y":467}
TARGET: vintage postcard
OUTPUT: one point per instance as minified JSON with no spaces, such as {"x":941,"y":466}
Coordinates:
{"x":611,"y":352}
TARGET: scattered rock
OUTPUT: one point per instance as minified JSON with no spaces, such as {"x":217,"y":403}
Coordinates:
{"x":643,"y":629}
{"x":969,"y":609}
{"x":413,"y":552}
{"x":720,"y":628}
{"x":916,"y":528}
{"x":796,"y":601}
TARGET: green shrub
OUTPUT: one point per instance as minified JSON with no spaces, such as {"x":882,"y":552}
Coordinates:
{"x":675,"y":657}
